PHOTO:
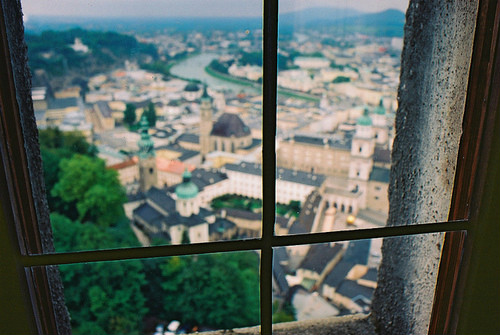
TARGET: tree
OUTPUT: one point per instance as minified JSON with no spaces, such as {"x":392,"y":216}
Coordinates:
{"x":217,"y":290}
{"x":95,"y":190}
{"x":56,"y":145}
{"x":129,"y":115}
{"x":150,"y":113}
{"x":341,"y":79}
{"x":185,"y":237}
{"x":105,"y":297}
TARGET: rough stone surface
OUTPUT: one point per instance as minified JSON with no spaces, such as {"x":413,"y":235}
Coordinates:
{"x":345,"y":325}
{"x":22,"y":81}
{"x":435,"y":65}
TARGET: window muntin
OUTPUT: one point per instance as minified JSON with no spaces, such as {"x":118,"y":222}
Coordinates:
{"x":386,"y":231}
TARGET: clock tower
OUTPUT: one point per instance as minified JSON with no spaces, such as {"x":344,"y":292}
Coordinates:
{"x":147,"y":158}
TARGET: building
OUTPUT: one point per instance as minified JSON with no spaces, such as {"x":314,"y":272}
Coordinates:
{"x":245,"y":179}
{"x":178,"y":217}
{"x":147,"y":159}
{"x":228,"y":134}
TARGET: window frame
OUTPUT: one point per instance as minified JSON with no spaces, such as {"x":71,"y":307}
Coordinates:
{"x":24,"y":204}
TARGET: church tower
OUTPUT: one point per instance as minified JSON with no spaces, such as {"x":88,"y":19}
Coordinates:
{"x":362,"y":148}
{"x":147,"y":159}
{"x":380,"y":124}
{"x":205,"y":124}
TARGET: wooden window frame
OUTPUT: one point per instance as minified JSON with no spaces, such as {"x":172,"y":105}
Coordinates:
{"x":25,"y":210}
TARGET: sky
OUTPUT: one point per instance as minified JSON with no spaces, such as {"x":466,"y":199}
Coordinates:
{"x":190,"y":8}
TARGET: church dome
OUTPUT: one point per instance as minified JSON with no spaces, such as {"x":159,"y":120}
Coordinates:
{"x":191,"y":87}
{"x":187,"y":189}
{"x":380,"y":109}
{"x":230,"y":125}
{"x":365,"y":119}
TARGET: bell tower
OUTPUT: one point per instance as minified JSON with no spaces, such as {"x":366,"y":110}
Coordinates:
{"x":205,"y":124}
{"x":147,"y":158}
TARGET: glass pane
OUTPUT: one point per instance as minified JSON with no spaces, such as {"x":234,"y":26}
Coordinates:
{"x":338,"y":76}
{"x":334,"y":279}
{"x":178,"y":294}
{"x":148,"y":121}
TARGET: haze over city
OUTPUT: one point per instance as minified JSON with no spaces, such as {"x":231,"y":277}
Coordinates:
{"x":190,"y":8}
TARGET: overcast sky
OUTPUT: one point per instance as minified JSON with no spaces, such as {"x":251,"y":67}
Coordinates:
{"x":203,"y":8}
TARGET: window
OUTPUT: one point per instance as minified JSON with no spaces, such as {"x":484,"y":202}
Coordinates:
{"x":22,"y":198}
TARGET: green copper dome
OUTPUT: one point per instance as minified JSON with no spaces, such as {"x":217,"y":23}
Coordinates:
{"x":187,"y":189}
{"x":365,"y":119}
{"x":380,"y":109}
{"x":145,"y":144}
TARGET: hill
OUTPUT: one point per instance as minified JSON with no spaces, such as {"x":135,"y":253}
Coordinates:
{"x":50,"y":53}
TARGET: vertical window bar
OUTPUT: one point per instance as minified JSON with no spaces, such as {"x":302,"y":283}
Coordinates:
{"x":270,"y":54}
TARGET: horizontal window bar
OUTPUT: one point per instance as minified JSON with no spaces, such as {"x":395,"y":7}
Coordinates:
{"x":362,"y":234}
{"x":241,"y":245}
{"x":141,"y":252}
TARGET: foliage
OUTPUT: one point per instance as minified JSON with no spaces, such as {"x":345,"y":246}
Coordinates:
{"x":237,"y":202}
{"x":129,"y":114}
{"x":341,"y":79}
{"x":218,"y":66}
{"x":283,"y":313}
{"x":217,"y":290}
{"x":292,"y":209}
{"x":102,"y":298}
{"x":94,"y":189}
{"x":251,"y":58}
{"x":55,"y":146}
{"x":185,"y":237}
{"x":51,"y":51}
{"x":158,"y":67}
{"x":251,"y":204}
{"x":150,"y":113}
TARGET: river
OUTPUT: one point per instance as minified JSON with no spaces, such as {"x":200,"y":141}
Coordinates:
{"x":194,"y":68}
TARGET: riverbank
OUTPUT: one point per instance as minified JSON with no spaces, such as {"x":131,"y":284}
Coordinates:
{"x":245,"y":82}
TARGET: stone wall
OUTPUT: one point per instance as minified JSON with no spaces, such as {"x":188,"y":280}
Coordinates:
{"x":433,"y":83}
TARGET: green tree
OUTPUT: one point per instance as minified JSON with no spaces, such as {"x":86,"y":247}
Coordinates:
{"x":56,"y":145}
{"x":283,"y":313}
{"x":185,"y":237}
{"x":129,"y":115}
{"x":341,"y":79}
{"x":95,"y":190}
{"x":219,"y":290}
{"x":150,"y":113}
{"x":105,"y":297}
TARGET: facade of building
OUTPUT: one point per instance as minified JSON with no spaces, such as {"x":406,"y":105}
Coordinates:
{"x":245,"y":179}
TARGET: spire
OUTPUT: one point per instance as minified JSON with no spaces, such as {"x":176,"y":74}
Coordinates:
{"x":205,"y":93}
{"x":380,"y":109}
{"x":146,"y":144}
{"x":365,"y":120}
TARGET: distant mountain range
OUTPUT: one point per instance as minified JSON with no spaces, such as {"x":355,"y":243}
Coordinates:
{"x":387,"y":23}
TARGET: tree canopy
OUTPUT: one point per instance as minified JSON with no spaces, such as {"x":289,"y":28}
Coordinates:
{"x":217,"y":290}
{"x":95,"y":190}
{"x":104,"y":297}
{"x":129,"y":114}
{"x":150,"y":113}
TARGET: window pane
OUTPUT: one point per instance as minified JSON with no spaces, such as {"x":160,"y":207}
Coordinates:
{"x":204,"y":292}
{"x":338,"y":77}
{"x":152,"y":119}
{"x":334,"y":279}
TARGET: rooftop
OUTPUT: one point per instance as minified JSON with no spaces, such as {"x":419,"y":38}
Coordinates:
{"x":230,"y":125}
